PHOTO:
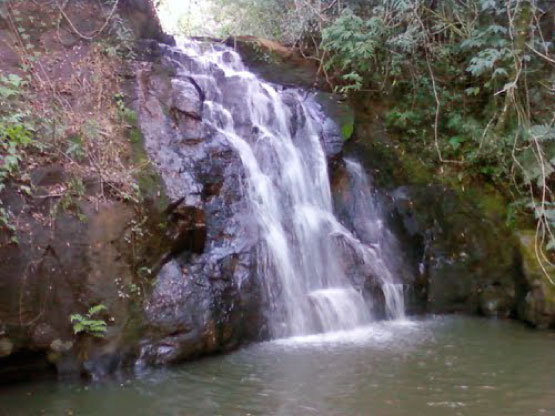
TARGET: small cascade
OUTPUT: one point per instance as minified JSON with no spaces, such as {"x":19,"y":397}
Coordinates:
{"x":339,"y":309}
{"x":394,"y":300}
{"x":277,"y":133}
{"x":369,"y":227}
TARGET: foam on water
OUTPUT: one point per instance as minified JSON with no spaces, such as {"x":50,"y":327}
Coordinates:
{"x":374,"y":333}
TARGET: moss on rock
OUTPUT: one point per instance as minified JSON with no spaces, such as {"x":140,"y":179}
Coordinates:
{"x":537,"y":303}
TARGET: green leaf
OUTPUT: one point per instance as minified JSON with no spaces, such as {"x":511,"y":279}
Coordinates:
{"x":96,"y":309}
{"x":76,"y":317}
{"x":500,"y":72}
{"x":15,"y":80}
{"x":472,"y":91}
{"x":456,"y":141}
{"x":347,"y":131}
{"x":541,"y":133}
{"x":78,"y":327}
{"x":6,"y":92}
{"x":487,"y":4}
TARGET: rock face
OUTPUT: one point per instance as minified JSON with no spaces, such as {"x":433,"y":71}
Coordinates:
{"x":205,"y":298}
{"x":467,"y":262}
{"x":275,"y":62}
{"x":536,"y":294}
{"x":75,"y":251}
{"x":360,"y":209}
{"x":56,"y":271}
{"x":177,"y":273}
{"x":142,"y":18}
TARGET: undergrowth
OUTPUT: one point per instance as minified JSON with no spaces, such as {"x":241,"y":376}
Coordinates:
{"x":77,"y":119}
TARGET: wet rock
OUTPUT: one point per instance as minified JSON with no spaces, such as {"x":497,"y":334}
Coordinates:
{"x":338,"y":126}
{"x":179,"y":311}
{"x":361,"y":210}
{"x":43,"y":336}
{"x":464,"y":257}
{"x":187,"y":98}
{"x":103,"y":365}
{"x":6,"y":347}
{"x":332,"y":140}
{"x":298,"y":118}
{"x":205,"y":297}
{"x":462,"y":267}
{"x":537,"y":294}
{"x":188,"y":231}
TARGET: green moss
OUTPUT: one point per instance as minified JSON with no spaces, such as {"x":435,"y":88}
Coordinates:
{"x":487,"y":199}
{"x":260,"y":54}
{"x":347,"y":130}
{"x":151,"y":185}
{"x":415,"y":169}
{"x":533,"y":271}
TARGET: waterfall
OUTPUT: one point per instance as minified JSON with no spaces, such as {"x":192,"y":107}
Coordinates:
{"x":371,"y":230}
{"x":277,"y":133}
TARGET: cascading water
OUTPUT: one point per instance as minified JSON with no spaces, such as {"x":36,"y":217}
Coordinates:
{"x":371,"y":230}
{"x":277,"y":133}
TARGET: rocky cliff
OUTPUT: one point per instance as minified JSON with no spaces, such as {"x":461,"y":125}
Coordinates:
{"x":82,"y":211}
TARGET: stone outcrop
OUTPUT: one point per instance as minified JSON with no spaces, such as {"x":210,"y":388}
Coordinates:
{"x":276,"y":63}
{"x":536,"y":303}
{"x":73,"y":249}
{"x":457,"y":251}
{"x":176,"y":272}
{"x":205,"y":298}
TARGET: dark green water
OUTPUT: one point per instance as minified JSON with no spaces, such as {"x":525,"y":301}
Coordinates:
{"x":439,"y":366}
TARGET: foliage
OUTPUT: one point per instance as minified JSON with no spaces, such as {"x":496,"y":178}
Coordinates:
{"x":88,"y":324}
{"x":360,"y":48}
{"x":476,"y":71}
{"x":15,"y":131}
{"x":122,"y":40}
{"x":68,"y":201}
{"x":286,"y":20}
{"x":15,"y":136}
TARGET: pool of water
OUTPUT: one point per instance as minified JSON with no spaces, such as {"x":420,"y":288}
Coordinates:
{"x":437,"y":366}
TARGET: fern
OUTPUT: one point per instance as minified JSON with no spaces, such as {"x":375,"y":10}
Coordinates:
{"x":86,"y":324}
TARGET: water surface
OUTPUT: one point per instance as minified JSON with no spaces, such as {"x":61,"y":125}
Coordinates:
{"x":439,"y":366}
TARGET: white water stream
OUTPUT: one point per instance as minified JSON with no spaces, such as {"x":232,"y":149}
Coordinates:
{"x":277,"y":133}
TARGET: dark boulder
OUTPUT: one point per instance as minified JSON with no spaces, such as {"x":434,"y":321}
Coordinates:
{"x":206,"y":296}
{"x":467,"y":262}
{"x":536,"y":304}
